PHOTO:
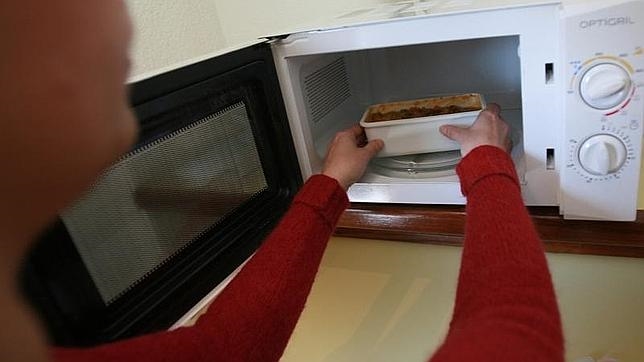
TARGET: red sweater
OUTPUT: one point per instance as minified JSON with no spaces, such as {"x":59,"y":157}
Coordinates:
{"x":505,"y":309}
{"x":505,"y":305}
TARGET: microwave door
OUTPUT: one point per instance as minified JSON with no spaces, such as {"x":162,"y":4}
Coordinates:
{"x":213,"y":170}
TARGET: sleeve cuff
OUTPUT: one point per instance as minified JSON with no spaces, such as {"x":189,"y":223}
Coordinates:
{"x":325,"y":195}
{"x":482,"y":162}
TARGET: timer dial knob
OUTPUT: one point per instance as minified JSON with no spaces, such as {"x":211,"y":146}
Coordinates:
{"x":605,"y":85}
{"x":602,"y":154}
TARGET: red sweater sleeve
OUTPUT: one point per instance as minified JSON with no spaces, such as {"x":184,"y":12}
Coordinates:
{"x":253,"y":318}
{"x":505,"y":307}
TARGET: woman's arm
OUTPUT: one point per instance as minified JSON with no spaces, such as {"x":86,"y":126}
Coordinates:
{"x":254,"y":316}
{"x":505,"y":309}
{"x":263,"y":303}
{"x":252,"y":319}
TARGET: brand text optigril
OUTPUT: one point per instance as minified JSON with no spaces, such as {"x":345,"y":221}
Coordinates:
{"x":603,"y":22}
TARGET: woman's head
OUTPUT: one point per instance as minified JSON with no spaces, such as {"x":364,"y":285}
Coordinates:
{"x":64,"y":104}
{"x":65,"y":116}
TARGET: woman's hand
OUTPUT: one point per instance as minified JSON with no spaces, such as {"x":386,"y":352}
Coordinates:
{"x":488,"y":129}
{"x":348,"y":156}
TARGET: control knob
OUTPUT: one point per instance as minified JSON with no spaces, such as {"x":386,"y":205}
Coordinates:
{"x":602,"y":154}
{"x":605,"y":86}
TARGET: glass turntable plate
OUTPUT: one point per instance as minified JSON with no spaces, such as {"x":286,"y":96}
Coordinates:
{"x":423,"y":165}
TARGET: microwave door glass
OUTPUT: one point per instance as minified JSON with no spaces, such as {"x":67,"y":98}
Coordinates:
{"x":160,"y":197}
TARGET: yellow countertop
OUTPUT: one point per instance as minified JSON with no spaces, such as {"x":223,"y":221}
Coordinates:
{"x":391,"y":301}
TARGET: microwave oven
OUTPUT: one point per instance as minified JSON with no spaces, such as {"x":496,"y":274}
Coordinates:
{"x":568,"y":78}
{"x":226,"y":141}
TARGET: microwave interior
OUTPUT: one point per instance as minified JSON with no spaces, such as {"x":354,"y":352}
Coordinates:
{"x":335,"y":89}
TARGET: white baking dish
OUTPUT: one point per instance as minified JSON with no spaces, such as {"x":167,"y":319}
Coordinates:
{"x":419,"y":134}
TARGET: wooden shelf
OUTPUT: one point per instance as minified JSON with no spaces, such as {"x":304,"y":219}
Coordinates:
{"x":444,"y":225}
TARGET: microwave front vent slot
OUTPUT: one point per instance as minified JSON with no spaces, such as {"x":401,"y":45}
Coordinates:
{"x":326,"y":88}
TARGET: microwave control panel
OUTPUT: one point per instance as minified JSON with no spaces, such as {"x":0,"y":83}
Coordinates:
{"x":603,"y":112}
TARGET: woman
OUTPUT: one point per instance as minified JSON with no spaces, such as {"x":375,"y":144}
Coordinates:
{"x":65,"y":117}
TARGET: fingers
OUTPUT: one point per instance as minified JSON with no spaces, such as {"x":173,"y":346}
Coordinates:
{"x":493,"y":108}
{"x":349,"y":154}
{"x":453,"y":132}
{"x":373,"y":147}
{"x":357,"y":131}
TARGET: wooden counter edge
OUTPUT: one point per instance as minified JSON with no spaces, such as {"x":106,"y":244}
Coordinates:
{"x":444,"y":225}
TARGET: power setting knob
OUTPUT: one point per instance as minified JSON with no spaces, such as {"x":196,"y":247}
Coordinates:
{"x":602,"y":154}
{"x":605,"y":85}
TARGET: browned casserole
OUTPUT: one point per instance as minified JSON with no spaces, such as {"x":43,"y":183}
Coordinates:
{"x":425,"y":108}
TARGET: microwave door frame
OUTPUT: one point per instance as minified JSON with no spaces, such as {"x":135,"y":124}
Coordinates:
{"x":75,"y":317}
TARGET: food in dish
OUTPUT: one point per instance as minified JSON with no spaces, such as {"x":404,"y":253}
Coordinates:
{"x":416,"y":112}
{"x":412,"y":127}
{"x":425,"y":108}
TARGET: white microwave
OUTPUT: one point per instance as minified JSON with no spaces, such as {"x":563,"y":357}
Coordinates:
{"x":567,"y":75}
{"x":569,"y":79}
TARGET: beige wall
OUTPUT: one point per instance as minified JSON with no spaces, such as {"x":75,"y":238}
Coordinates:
{"x":169,"y":32}
{"x":387,"y":301}
{"x":251,"y":19}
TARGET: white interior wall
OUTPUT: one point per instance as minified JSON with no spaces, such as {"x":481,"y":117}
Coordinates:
{"x":346,"y":113}
{"x":640,"y":201}
{"x":402,"y":73}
